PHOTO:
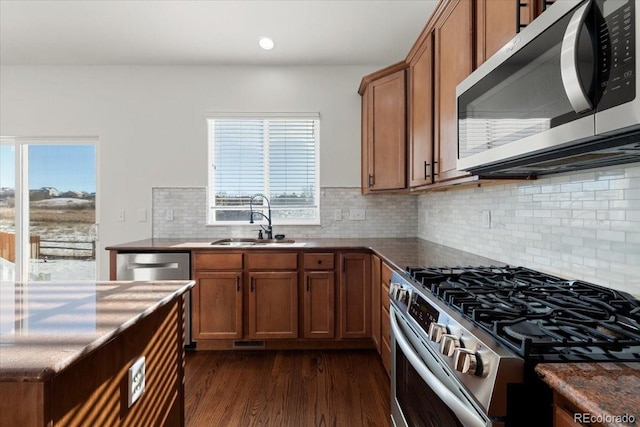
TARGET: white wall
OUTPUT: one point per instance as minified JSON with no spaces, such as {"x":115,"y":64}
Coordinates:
{"x":152,"y":128}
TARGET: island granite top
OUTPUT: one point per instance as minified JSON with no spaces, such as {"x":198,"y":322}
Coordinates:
{"x":46,"y":326}
{"x":607,"y":392}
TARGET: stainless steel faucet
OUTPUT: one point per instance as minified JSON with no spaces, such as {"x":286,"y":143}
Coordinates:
{"x":268,"y":229}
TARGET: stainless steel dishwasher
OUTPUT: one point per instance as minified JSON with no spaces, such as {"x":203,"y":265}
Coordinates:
{"x":158,"y":266}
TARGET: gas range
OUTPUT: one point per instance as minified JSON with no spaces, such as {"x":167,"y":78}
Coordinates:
{"x":538,"y":316}
{"x":488,"y":326}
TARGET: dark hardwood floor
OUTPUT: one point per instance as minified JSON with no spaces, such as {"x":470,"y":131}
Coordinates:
{"x":286,"y":388}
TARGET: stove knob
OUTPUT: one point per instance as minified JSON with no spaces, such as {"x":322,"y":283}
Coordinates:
{"x":466,"y":361}
{"x":449,"y":344}
{"x":436,"y":331}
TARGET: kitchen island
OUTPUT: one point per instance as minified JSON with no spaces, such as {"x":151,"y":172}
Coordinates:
{"x":599,"y":394}
{"x":68,"y":350}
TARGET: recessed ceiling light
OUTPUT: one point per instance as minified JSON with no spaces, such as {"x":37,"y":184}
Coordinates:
{"x":266,"y":43}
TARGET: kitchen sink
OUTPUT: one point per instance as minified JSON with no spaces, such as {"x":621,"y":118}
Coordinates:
{"x":257,"y":242}
{"x":242,"y":242}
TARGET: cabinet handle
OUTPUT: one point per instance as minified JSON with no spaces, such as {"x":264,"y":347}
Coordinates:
{"x":252,"y":286}
{"x":426,"y":167}
{"x":434,"y":168}
{"x":308,"y":283}
{"x":319,"y":261}
{"x":238,"y":283}
{"x":370,"y":180}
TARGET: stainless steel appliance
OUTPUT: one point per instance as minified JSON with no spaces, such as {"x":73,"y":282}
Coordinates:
{"x":158,"y":266}
{"x":560,"y":96}
{"x":465,"y":342}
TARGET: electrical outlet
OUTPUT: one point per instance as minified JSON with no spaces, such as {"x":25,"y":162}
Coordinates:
{"x":486,"y":219}
{"x":136,"y":384}
{"x":357,"y":214}
{"x":169,"y":215}
{"x":120,"y":215}
{"x":337,"y":214}
{"x":142,"y":215}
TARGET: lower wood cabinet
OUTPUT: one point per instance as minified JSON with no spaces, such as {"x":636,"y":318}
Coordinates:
{"x":319,"y":304}
{"x":272,"y":299}
{"x":375,"y":300}
{"x":217,"y":298}
{"x":355,"y":295}
{"x":217,"y":305}
{"x":273,"y":304}
{"x":385,"y":320}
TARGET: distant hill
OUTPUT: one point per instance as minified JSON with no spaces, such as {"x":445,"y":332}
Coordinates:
{"x":46,"y":193}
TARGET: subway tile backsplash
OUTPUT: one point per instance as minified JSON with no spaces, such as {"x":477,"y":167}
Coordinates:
{"x":385,"y":216}
{"x":583,"y":225}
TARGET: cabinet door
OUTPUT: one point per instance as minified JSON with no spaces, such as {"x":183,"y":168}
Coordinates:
{"x":421,"y":115}
{"x":386,"y":133}
{"x":273,"y":304}
{"x":497,"y":23}
{"x":355,"y":295}
{"x":375,"y":301}
{"x":217,"y":305}
{"x":319,"y":304}
{"x":453,"y":62}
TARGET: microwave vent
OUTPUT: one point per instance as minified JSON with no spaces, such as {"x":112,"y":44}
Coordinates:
{"x":614,"y":150}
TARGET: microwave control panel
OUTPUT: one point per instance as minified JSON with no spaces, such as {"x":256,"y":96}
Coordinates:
{"x":616,"y":39}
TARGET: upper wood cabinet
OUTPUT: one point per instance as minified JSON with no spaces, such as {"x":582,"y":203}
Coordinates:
{"x":384,"y":131}
{"x":453,"y":37}
{"x":460,"y":36}
{"x":420,"y":112}
{"x":497,"y":23}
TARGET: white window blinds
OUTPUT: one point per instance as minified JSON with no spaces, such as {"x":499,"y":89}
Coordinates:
{"x":274,"y":156}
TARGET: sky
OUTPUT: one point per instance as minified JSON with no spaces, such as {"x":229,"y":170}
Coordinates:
{"x":65,"y":167}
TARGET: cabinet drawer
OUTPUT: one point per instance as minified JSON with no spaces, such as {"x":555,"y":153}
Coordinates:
{"x":385,"y":353}
{"x":384,"y":296}
{"x":386,"y":275}
{"x":272,"y":261}
{"x":217,"y":261}
{"x":318,"y":261}
{"x":385,"y":325}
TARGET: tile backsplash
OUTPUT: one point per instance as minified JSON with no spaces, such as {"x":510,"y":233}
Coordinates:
{"x":583,"y":225}
{"x":385,"y":216}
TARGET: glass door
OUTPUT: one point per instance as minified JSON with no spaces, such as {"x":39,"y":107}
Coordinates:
{"x":7,"y":211}
{"x":48,"y":210}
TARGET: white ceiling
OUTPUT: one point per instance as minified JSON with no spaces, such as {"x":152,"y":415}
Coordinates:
{"x":209,"y":32}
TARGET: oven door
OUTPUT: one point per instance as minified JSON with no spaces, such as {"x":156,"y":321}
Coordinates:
{"x":423,"y":392}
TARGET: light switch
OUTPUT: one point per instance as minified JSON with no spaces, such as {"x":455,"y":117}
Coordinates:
{"x":120,"y":215}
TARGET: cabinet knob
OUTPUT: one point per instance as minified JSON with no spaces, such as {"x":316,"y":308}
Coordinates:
{"x":319,"y":261}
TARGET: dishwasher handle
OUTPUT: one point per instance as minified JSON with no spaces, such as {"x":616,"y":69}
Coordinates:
{"x":134,"y":265}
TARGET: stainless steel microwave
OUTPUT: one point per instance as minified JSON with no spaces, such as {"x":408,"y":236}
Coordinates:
{"x":560,"y":96}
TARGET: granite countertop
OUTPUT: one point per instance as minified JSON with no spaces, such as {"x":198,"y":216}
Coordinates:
{"x":46,"y":326}
{"x":399,"y":252}
{"x":602,"y":390}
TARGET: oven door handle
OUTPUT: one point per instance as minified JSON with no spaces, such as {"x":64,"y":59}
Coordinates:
{"x":468,"y":417}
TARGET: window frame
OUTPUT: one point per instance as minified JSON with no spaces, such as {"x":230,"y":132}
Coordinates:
{"x":211,"y":188}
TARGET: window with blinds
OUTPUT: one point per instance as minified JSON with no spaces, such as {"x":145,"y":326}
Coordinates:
{"x":252,"y":156}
